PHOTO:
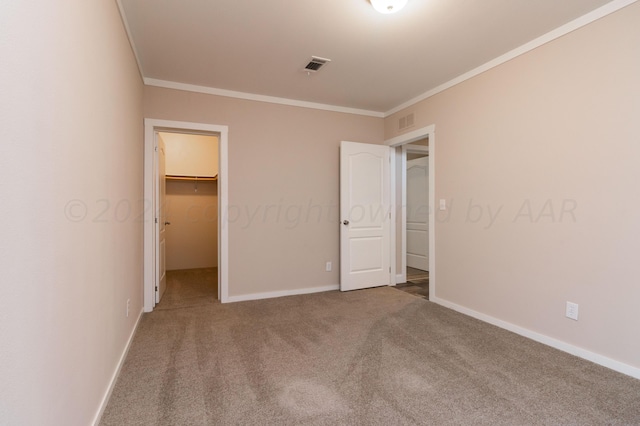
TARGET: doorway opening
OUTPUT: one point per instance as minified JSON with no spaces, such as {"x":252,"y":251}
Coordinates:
{"x":415,"y":199}
{"x":181,"y":183}
{"x":189,"y":206}
{"x":414,"y":233}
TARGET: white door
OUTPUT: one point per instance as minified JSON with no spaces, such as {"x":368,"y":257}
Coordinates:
{"x":365,"y":210}
{"x":418,"y":213}
{"x":161,"y":283}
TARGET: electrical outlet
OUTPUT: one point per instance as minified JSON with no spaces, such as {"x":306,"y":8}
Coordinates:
{"x":128,"y":305}
{"x":572,"y":311}
{"x":328,"y":267}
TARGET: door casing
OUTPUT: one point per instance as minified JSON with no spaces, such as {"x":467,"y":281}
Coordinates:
{"x":161,"y":194}
{"x":150,"y":204}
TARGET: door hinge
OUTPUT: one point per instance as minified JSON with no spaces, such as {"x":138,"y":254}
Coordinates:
{"x":155,"y":148}
{"x":156,"y":220}
{"x":156,"y":288}
{"x":389,"y":269}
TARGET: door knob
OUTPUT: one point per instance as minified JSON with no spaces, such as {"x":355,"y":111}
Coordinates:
{"x":345,"y":222}
{"x":167,"y":223}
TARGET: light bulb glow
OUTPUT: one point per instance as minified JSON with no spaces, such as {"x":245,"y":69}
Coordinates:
{"x":388,"y":6}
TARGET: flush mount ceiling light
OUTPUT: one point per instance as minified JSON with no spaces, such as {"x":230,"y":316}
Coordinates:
{"x":388,"y":6}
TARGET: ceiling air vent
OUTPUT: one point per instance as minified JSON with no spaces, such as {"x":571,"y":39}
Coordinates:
{"x":315,"y":64}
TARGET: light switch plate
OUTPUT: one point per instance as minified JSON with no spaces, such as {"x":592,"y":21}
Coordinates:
{"x":572,"y":311}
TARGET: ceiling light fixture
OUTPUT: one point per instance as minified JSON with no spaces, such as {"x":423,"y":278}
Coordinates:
{"x":388,"y":6}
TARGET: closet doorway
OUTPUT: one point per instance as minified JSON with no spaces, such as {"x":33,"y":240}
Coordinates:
{"x":193,"y":184}
{"x":190,"y":217}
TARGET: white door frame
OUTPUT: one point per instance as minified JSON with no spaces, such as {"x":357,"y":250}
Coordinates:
{"x":402,"y":276}
{"x":413,"y":136}
{"x":151,"y":127}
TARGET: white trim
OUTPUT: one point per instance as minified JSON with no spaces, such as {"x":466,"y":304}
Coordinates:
{"x":151,"y":126}
{"x":565,"y":29}
{"x":416,"y":149}
{"x":403,"y":215}
{"x":412,"y":136}
{"x":430,"y":132}
{"x":432,"y":215}
{"x":148,"y":226}
{"x":125,"y":23}
{"x":259,"y":98}
{"x":223,"y":217}
{"x":393,"y":264}
{"x":282,"y":293}
{"x":544,"y":339}
{"x":116,"y":373}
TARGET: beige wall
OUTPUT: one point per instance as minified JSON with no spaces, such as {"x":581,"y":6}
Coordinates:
{"x":190,"y":155}
{"x":554,"y":130}
{"x":283,"y":184}
{"x":71,"y":166}
{"x":191,"y":206}
{"x":192,"y":237}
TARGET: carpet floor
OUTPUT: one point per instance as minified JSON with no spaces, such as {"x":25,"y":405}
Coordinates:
{"x":368,"y":357}
{"x":190,"y":287}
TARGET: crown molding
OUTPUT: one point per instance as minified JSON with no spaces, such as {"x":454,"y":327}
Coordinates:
{"x":577,"y":23}
{"x":259,"y":98}
{"x":128,"y":31}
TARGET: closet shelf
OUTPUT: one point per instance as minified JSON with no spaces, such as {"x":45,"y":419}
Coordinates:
{"x":192,"y":178}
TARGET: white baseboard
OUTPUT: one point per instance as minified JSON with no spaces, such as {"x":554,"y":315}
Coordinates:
{"x":272,"y":294}
{"x":618,"y":366}
{"x":116,"y":373}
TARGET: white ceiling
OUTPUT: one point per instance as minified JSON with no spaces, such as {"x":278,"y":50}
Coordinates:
{"x":378,"y":61}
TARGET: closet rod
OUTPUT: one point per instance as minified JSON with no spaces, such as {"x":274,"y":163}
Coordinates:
{"x":191,"y":178}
